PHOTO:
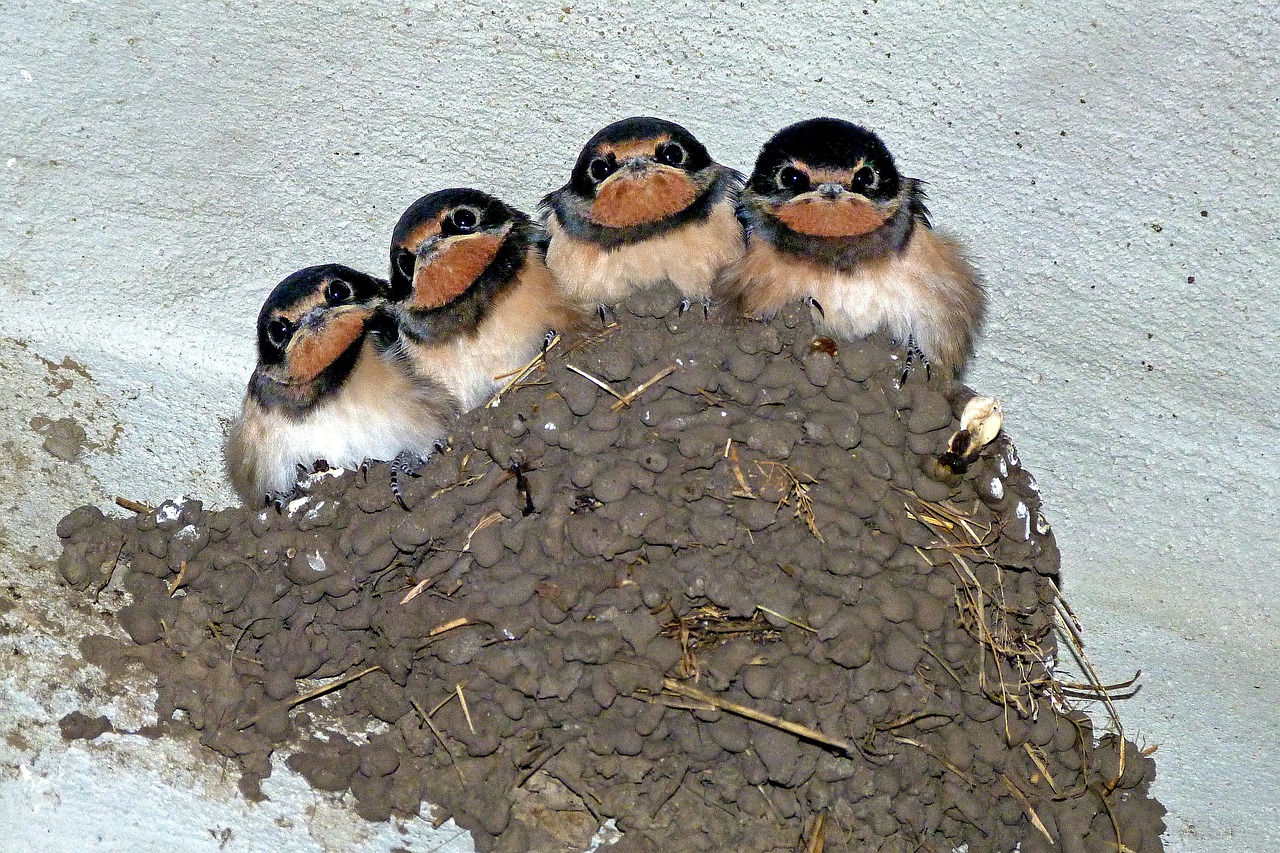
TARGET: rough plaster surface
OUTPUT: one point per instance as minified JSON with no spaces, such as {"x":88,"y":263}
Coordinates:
{"x":163,"y":164}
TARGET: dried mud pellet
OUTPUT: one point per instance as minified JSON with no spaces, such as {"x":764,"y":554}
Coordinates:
{"x":378,"y":495}
{"x":885,"y":426}
{"x":838,"y":389}
{"x":654,"y":302}
{"x":517,"y":425}
{"x":584,"y":472}
{"x":929,"y":443}
{"x":858,"y":361}
{"x":648,"y":717}
{"x":710,"y":530}
{"x":613,"y":483}
{"x":877,"y":546}
{"x":847,"y":434}
{"x":929,"y":411}
{"x":141,"y":623}
{"x":90,"y":518}
{"x":378,"y":761}
{"x":818,"y":367}
{"x":653,"y":460}
{"x":731,"y":388}
{"x":581,"y":396}
{"x":757,"y":681}
{"x":407,"y":535}
{"x":930,"y":612}
{"x":770,"y":396}
{"x":585,"y":442}
{"x":873,"y":461}
{"x":74,"y":568}
{"x":487,"y":547}
{"x":325,"y":774}
{"x":930,"y":490}
{"x":901,"y":651}
{"x":755,"y":337}
{"x":745,"y":367}
{"x":690,"y":377}
{"x":852,"y":649}
{"x":771,"y":440}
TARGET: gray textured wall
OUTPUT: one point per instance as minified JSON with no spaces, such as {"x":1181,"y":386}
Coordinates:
{"x":163,"y":164}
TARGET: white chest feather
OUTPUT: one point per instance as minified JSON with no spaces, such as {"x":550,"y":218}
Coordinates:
{"x":380,"y":412}
{"x":928,"y":292}
{"x":690,"y":257}
{"x":473,"y":366}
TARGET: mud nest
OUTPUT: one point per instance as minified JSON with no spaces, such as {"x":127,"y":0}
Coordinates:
{"x":741,"y":609}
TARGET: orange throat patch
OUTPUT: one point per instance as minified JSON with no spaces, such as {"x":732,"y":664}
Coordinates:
{"x":311,"y":354}
{"x":444,"y":276}
{"x":629,"y":200}
{"x":822,"y":218}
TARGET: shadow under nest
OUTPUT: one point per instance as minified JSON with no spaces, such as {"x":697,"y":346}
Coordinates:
{"x":698,"y":577}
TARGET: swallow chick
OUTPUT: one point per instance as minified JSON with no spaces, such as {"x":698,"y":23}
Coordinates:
{"x":471,"y":292}
{"x":328,"y":386}
{"x":645,"y":204}
{"x":830,"y":221}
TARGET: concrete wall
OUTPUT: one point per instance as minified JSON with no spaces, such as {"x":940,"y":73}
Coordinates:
{"x":163,"y":164}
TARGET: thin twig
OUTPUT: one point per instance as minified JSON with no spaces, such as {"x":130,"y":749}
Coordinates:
{"x":132,"y":506}
{"x":818,"y":838}
{"x":1028,"y":808}
{"x":426,"y":718}
{"x":176,"y":584}
{"x":488,"y":521}
{"x":466,"y":712}
{"x":332,"y":686}
{"x":775,"y":613}
{"x":448,"y":626}
{"x":796,"y":729}
{"x":630,"y":397}
{"x":520,"y":374}
{"x":938,"y":757}
{"x":600,"y":383}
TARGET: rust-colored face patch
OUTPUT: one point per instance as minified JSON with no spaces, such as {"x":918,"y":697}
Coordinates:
{"x":632,"y":148}
{"x":314,"y":349}
{"x":421,"y":233}
{"x":628,"y":199}
{"x":444,"y":275}
{"x":818,"y":217}
{"x":824,"y":175}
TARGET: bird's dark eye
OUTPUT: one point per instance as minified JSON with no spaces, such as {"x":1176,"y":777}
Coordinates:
{"x":866,"y":178}
{"x":600,"y":169}
{"x":278,"y":332}
{"x":338,"y":291}
{"x":465,"y":219}
{"x":670,"y":154}
{"x":791,"y":178}
{"x":405,"y":262}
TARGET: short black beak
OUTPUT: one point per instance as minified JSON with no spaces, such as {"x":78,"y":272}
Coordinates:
{"x":830,"y":191}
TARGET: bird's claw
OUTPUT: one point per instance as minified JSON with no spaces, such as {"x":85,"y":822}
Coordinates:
{"x":406,"y":463}
{"x":914,"y":354}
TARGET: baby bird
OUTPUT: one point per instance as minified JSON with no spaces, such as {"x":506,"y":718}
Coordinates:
{"x":470,"y":291}
{"x":830,"y":221}
{"x":645,"y":204}
{"x":327,"y":388}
